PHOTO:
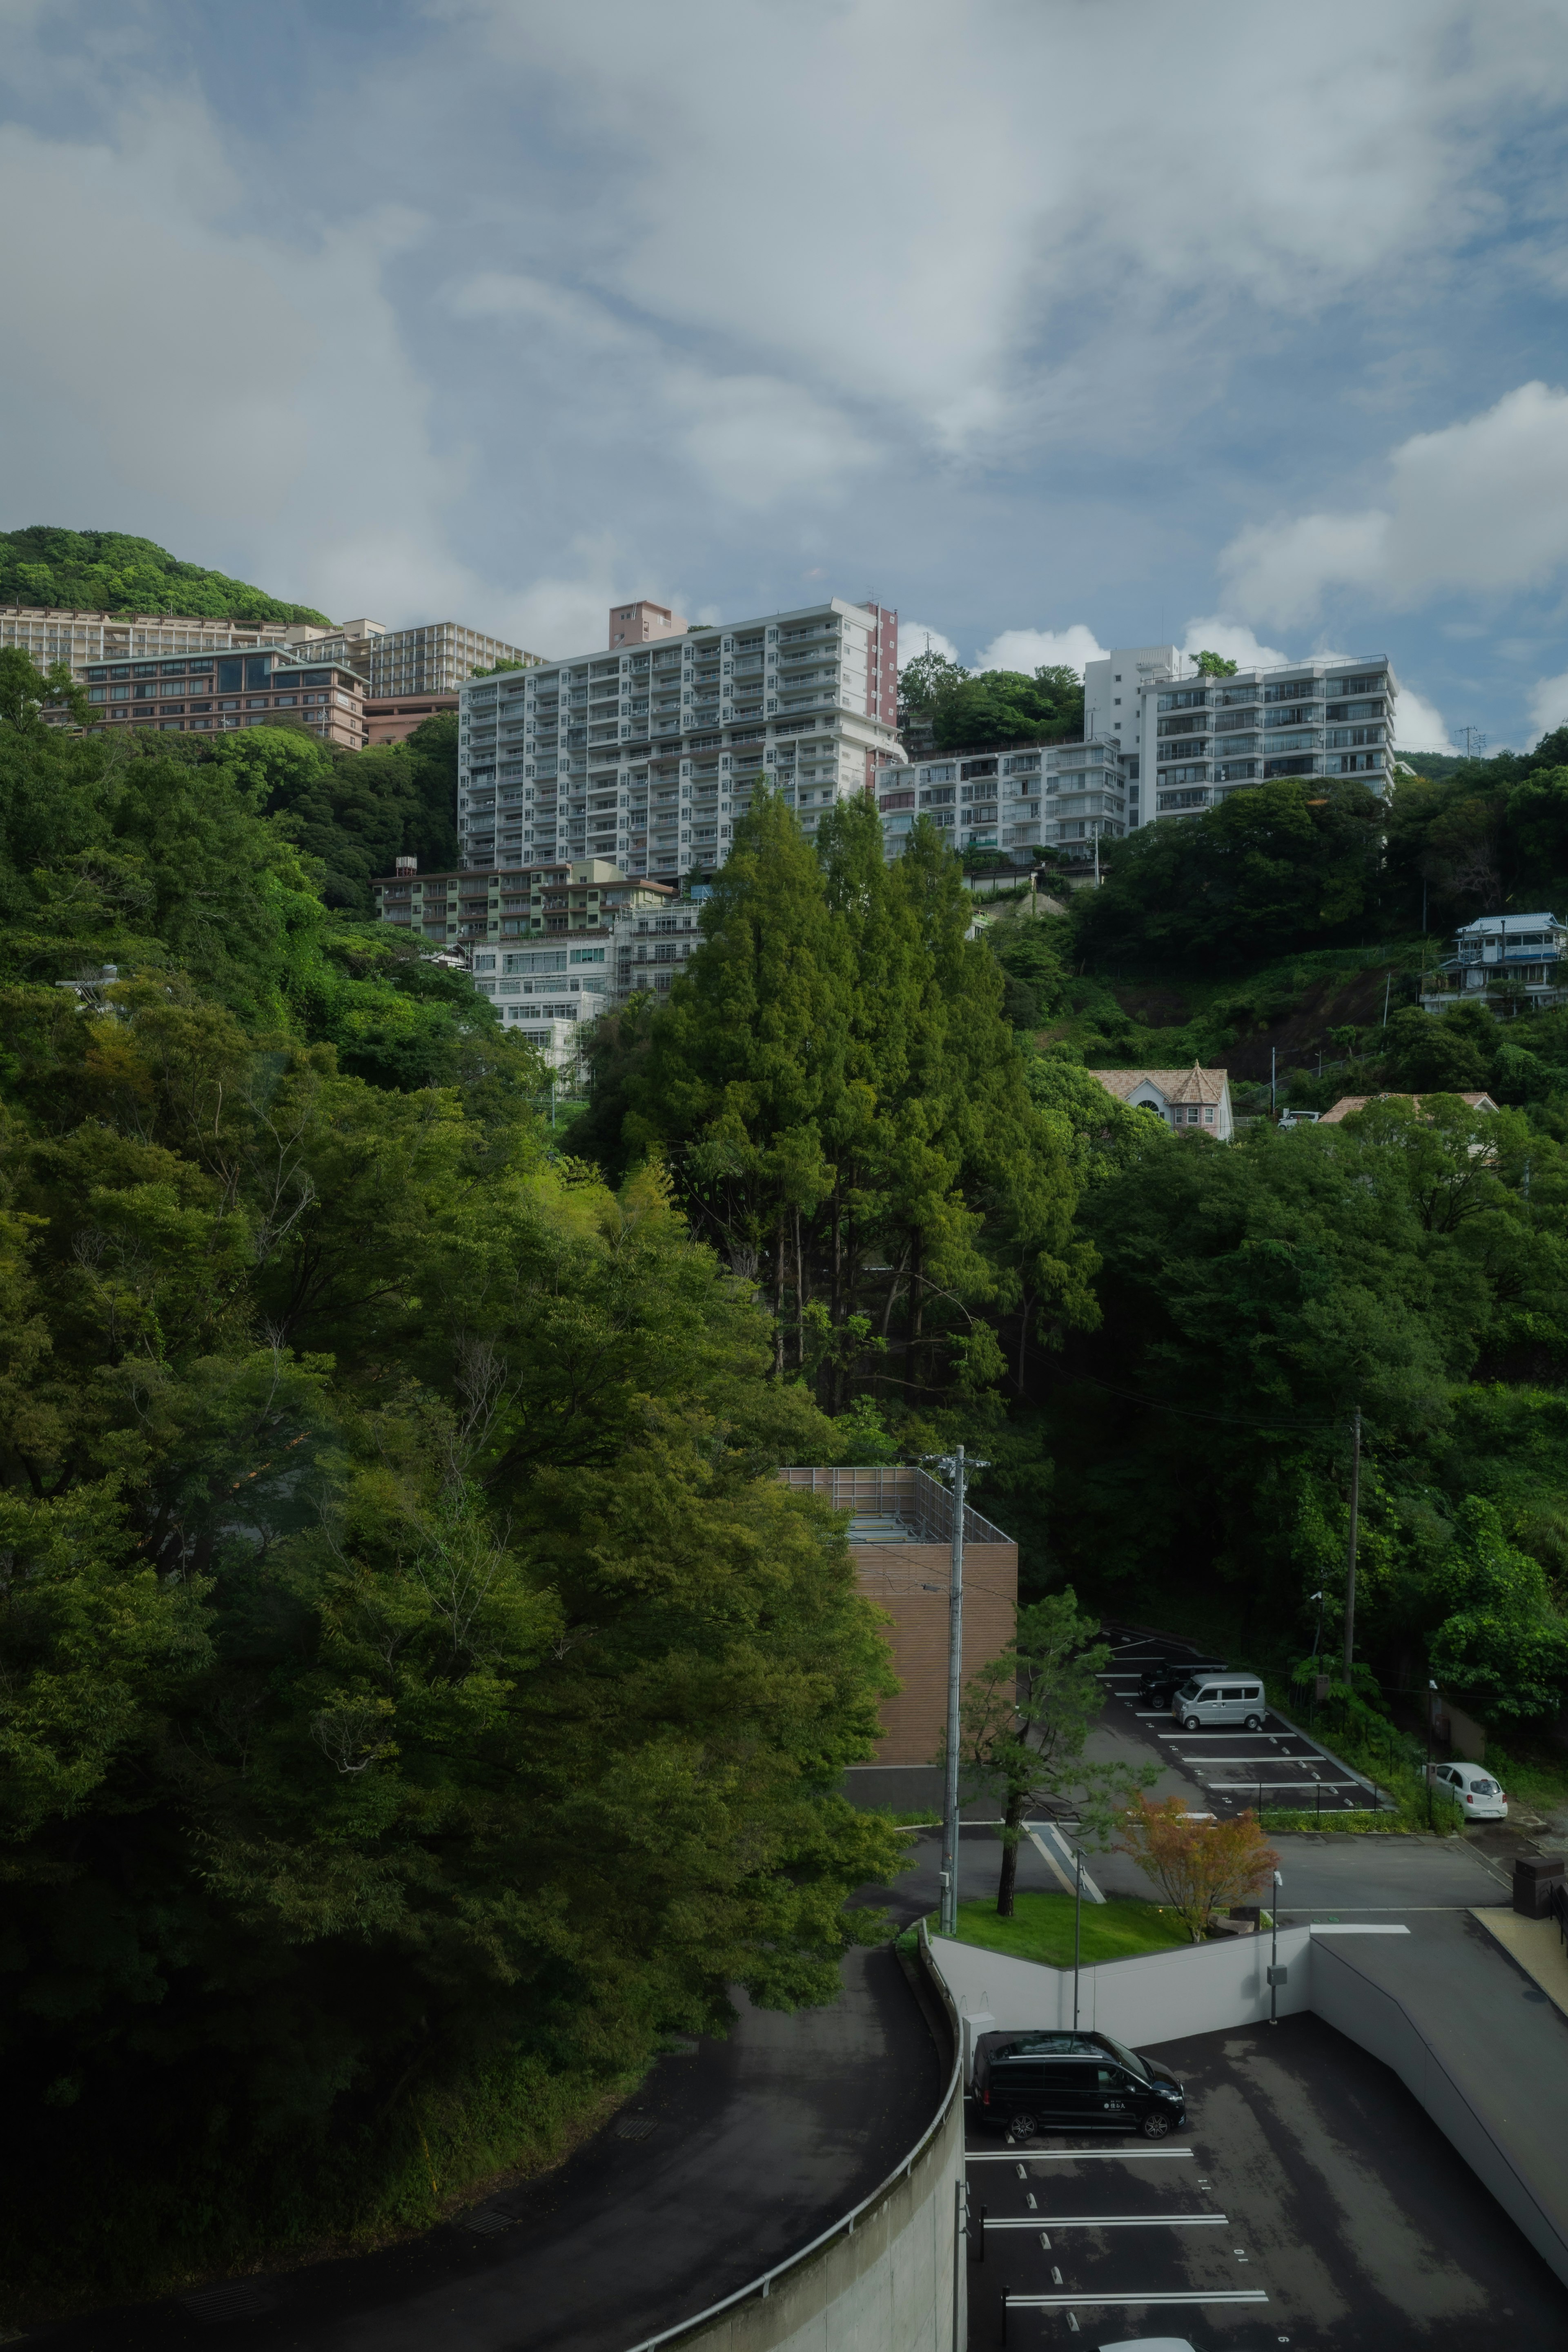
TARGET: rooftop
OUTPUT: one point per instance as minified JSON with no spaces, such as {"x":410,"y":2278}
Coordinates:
{"x":1349,"y":1103}
{"x":1194,"y":1086}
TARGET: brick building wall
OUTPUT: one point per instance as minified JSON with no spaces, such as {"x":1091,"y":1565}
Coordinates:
{"x":903,"y":1521}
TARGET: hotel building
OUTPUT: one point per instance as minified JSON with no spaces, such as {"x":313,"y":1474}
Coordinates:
{"x":646,"y":753}
{"x":214,"y":693}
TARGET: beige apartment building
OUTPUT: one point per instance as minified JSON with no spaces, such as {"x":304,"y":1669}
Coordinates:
{"x":438,"y":657}
{"x":48,"y":634}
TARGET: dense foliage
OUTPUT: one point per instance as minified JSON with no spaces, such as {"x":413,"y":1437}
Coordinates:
{"x":418,"y":1693}
{"x":111,"y":572}
{"x":990,"y":708}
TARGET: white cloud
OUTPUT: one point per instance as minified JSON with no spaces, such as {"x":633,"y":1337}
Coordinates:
{"x":1480,"y":505}
{"x":864,"y":187}
{"x":1420,"y":726}
{"x":1032,"y":649}
{"x":915,"y":637}
{"x":1548,"y":704}
{"x":1234,"y":640}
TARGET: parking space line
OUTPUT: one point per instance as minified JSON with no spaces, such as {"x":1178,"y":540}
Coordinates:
{"x":1151,"y":2295}
{"x":1114,"y":2221}
{"x":1075,"y":2155}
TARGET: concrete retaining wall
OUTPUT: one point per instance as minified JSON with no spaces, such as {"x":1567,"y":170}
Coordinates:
{"x":889,"y":2277}
{"x":1156,"y":1996}
{"x":1163,"y":1996}
{"x":1370,"y":2015}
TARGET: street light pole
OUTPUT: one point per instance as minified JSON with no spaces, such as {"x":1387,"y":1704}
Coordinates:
{"x":1350,"y":1557}
{"x":1077,"y":1932}
{"x":1274,"y":1964}
{"x":1431,"y":1695}
{"x":954,"y":1685}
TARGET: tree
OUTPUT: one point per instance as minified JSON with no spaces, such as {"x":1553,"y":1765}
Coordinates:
{"x":113,"y":571}
{"x":1024,"y":1719}
{"x":1198,"y":1865}
{"x":1002,"y":707}
{"x":24,"y":690}
{"x":1214,"y":666}
{"x":1503,"y":1642}
{"x":928,"y":680}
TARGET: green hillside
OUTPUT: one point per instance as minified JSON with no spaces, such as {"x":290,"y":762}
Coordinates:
{"x":110,"y":571}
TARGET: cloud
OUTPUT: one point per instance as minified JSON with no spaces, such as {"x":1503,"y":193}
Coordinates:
{"x":916,"y":637}
{"x":1548,"y":704}
{"x":1234,"y":640}
{"x":1481,"y":505}
{"x":1032,"y":649}
{"x":1419,"y":724}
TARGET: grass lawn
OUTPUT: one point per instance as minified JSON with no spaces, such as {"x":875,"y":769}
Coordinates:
{"x":1042,"y":1930}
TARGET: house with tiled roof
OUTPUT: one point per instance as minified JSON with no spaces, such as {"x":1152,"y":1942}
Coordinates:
{"x":1182,"y":1099}
{"x":1349,"y":1103}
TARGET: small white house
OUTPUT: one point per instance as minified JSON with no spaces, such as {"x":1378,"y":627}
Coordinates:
{"x":1194,"y":1098}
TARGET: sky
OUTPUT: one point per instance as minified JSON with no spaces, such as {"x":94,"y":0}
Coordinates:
{"x":1057,"y":324}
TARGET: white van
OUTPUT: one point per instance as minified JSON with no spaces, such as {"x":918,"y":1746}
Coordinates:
{"x":1216,"y":1702}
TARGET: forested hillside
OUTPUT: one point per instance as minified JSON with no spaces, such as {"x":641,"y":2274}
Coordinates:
{"x":112,"y":572}
{"x":416,"y":1693}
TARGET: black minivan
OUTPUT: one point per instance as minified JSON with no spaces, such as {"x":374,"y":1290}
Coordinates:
{"x":1028,"y":2083}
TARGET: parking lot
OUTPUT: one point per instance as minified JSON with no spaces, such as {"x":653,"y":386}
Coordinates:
{"x":1228,"y":1771}
{"x":1308,"y":2202}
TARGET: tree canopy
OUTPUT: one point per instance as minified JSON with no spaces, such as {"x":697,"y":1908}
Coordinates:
{"x":113,"y":571}
{"x":994,"y":707}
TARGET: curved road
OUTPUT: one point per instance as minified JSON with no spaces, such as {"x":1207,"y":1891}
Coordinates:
{"x":757,"y":2145}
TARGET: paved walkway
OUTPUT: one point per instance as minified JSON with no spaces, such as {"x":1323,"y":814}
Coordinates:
{"x":756,"y":2144}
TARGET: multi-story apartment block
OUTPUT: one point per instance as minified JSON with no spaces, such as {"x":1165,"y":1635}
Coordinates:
{"x":435,"y":659}
{"x":1188,"y":740}
{"x":549,"y":943}
{"x":49,"y":634}
{"x":204,"y":693}
{"x":1062,"y":795}
{"x":647,"y":754}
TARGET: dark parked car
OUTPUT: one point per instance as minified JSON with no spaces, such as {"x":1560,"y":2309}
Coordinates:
{"x":1159,"y":1684}
{"x":1026,"y":2083}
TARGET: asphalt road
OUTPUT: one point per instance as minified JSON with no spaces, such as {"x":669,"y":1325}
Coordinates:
{"x":1350,"y":2220}
{"x":756,"y":2144}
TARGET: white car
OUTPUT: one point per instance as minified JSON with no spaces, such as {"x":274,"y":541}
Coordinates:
{"x":1470,"y":1786}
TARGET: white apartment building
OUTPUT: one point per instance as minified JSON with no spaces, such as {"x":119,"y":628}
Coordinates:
{"x":435,"y":659}
{"x":1188,"y":742}
{"x":1062,"y":795}
{"x":646,"y":753}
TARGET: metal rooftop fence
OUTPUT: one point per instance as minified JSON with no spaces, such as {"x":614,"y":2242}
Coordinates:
{"x":901,"y":1491}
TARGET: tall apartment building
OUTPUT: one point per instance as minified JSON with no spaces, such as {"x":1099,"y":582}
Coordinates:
{"x":435,"y":659}
{"x":199,"y":694}
{"x":647,"y":754}
{"x":1188,"y":742}
{"x":1063,"y":796}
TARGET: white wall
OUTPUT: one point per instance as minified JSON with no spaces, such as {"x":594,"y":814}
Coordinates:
{"x":1157,"y":1997}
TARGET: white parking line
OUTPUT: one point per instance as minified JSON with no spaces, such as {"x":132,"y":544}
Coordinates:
{"x":1075,"y":2155}
{"x":1114,"y":2221}
{"x":1150,"y":2295}
{"x":1239,"y":1733}
{"x":1273,"y":1757}
{"x":1240,"y":1788}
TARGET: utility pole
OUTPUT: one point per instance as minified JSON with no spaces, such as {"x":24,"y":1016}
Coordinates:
{"x":1077,"y":1932}
{"x":1350,"y":1556}
{"x":1273,"y":1073}
{"x":1275,"y":1973}
{"x":954,"y":1683}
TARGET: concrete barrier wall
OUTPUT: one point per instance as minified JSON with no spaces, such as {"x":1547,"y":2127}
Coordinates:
{"x":1156,"y":1996}
{"x":1374,"y":2018}
{"x":891,"y":2277}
